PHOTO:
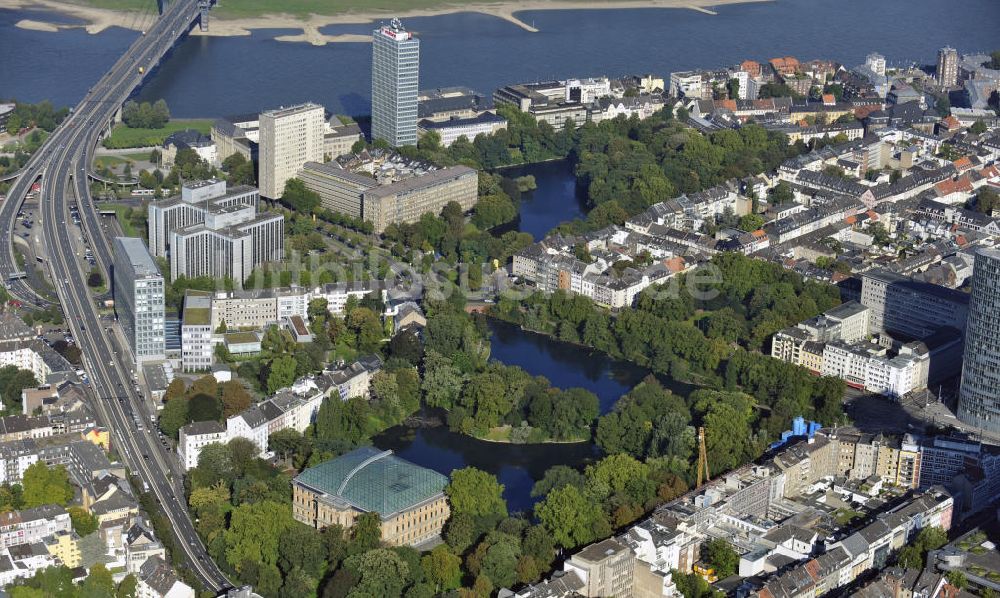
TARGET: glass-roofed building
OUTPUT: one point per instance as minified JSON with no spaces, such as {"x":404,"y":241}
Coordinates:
{"x":409,"y":499}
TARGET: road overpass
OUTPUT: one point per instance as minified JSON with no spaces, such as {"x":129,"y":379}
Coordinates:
{"x":61,"y":165}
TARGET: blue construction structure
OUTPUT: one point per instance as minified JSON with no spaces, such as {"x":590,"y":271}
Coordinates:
{"x":799,"y":428}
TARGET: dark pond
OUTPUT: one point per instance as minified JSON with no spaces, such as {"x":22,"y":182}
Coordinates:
{"x":519,"y":466}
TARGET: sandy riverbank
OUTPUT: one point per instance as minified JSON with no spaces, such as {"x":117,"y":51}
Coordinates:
{"x":37,"y":25}
{"x":96,"y":20}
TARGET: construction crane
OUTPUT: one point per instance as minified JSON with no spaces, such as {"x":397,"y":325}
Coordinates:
{"x":702,"y":459}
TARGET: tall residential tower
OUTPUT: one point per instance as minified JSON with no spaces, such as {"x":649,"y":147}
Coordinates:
{"x":139,"y":298}
{"x":979,"y":394}
{"x":947,"y":67}
{"x":289,"y":137}
{"x":395,"y":74}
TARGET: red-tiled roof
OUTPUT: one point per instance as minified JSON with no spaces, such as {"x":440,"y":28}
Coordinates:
{"x":785,"y":64}
{"x":861,"y":112}
{"x":963,"y":163}
{"x":961,"y":185}
{"x":989,"y":172}
{"x":750,"y":66}
{"x":674,"y":264}
{"x":812,"y":568}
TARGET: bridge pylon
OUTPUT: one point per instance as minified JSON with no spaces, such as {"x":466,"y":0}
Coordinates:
{"x":203,"y":6}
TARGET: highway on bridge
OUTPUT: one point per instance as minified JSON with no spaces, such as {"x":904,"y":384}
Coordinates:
{"x":61,"y":166}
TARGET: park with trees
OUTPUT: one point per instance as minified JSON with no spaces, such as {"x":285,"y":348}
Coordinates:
{"x":713,"y":343}
{"x":742,"y":398}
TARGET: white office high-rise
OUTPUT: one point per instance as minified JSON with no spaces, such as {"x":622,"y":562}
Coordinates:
{"x":139,"y":298}
{"x":395,"y":82}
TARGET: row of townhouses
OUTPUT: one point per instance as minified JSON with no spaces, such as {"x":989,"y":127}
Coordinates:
{"x":293,"y":408}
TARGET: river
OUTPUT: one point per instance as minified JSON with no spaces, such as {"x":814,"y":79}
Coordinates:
{"x":519,"y":466}
{"x":216,"y":76}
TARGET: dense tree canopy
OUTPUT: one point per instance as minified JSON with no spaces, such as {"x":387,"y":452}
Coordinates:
{"x":42,"y":115}
{"x":44,"y":485}
{"x":145,"y":115}
{"x":712,"y":338}
{"x":299,"y":198}
{"x":12,"y":382}
{"x":475,"y":492}
{"x":721,"y":556}
{"x":650,"y":421}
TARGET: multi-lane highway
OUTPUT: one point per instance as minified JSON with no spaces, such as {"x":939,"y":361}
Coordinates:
{"x":61,"y":166}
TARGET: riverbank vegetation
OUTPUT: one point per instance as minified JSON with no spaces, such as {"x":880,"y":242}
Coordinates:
{"x":26,"y":116}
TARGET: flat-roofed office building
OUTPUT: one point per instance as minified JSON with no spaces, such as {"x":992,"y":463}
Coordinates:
{"x":225,"y":249}
{"x":900,"y":305}
{"x":139,"y":298}
{"x":409,"y":199}
{"x":289,"y":137}
{"x":212,"y":230}
{"x":339,"y":190}
{"x":404,"y":201}
{"x":196,"y":200}
{"x":197,"y":348}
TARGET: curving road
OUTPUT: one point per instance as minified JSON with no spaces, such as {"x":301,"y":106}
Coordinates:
{"x":61,"y":165}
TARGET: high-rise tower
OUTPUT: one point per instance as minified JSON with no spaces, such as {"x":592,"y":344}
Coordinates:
{"x":395,"y":80}
{"x":289,"y":137}
{"x":947,"y":67}
{"x":139,"y":298}
{"x":979,"y":395}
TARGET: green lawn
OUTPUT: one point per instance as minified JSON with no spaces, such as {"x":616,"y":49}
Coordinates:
{"x":498,"y":434}
{"x":845,"y":516}
{"x":125,"y":137}
{"x":108,"y":161}
{"x":139,"y":157}
{"x":130,"y":219}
